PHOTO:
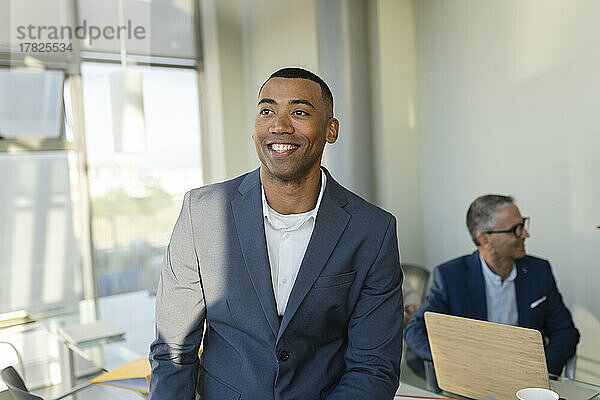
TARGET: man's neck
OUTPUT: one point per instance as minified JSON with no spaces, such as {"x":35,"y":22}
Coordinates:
{"x":293,"y":197}
{"x":499,"y":266}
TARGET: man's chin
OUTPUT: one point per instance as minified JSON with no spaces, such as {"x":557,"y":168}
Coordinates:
{"x":283,"y":174}
{"x":287,"y":173}
{"x":520,"y":254}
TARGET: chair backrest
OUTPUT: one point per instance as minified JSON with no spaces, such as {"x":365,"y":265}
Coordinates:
{"x":10,"y":357}
{"x":16,"y":386}
{"x":417,"y":277}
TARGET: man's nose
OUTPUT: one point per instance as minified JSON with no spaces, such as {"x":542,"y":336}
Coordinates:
{"x":525,"y":233}
{"x":282,"y":124}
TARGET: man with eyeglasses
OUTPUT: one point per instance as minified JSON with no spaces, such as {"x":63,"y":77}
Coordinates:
{"x":499,"y":283}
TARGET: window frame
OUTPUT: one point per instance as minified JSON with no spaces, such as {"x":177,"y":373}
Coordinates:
{"x":71,"y":69}
{"x":39,"y":143}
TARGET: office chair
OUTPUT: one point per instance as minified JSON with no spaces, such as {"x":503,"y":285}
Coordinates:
{"x":16,"y":386}
{"x":10,"y":356}
{"x":18,"y":390}
{"x":417,"y":277}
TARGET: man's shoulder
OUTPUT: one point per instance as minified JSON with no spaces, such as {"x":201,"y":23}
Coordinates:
{"x":219,"y":191}
{"x":363,"y":212}
{"x":534,"y":264}
{"x":455,"y":271}
{"x":358,"y":204}
{"x":534,"y":260}
{"x":355,"y":204}
{"x":456,"y":264}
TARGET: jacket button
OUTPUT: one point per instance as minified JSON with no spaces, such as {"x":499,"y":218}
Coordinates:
{"x":283,"y":355}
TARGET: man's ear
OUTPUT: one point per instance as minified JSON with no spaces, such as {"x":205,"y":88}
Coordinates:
{"x":333,"y":126}
{"x":483,"y":239}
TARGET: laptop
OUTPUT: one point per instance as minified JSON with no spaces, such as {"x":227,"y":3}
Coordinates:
{"x":488,"y":361}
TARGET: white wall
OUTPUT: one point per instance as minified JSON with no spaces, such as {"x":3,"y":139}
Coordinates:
{"x":344,"y":63}
{"x":243,"y":43}
{"x":395,"y":135}
{"x":222,"y":91}
{"x":508,"y":103}
{"x":275,"y":34}
{"x":330,"y":39}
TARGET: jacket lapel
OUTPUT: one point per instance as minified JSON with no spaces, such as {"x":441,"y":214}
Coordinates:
{"x":248,"y":215}
{"x":523,"y":290}
{"x":330,"y":223}
{"x":476,"y":288}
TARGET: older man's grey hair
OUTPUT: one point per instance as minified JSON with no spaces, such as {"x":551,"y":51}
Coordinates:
{"x":481,"y":216}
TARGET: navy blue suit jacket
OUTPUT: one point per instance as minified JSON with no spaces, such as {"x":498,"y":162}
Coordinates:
{"x":458,"y":288}
{"x":341,"y":333}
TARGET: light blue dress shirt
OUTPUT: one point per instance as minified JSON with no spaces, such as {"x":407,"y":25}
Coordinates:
{"x":501,"y":297}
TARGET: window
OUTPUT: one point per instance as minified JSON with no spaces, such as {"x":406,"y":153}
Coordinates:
{"x":37,"y":111}
{"x":165,"y":27}
{"x":39,"y":253}
{"x":46,"y":173}
{"x":135,"y":198}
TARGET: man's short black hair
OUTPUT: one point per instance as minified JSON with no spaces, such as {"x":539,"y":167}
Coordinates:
{"x":300,"y":73}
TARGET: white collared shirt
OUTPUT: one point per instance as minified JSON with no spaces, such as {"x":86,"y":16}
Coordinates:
{"x":501,"y":297}
{"x":287,"y":240}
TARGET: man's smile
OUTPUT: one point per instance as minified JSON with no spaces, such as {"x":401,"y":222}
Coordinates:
{"x":283,"y":148}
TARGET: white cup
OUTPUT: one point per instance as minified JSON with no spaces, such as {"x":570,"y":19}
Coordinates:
{"x":536,"y":394}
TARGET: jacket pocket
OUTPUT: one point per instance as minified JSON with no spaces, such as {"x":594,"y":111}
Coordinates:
{"x":211,"y":388}
{"x":329,"y":281}
{"x":537,"y":302}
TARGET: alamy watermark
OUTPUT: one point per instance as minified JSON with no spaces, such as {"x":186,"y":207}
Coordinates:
{"x":49,"y":38}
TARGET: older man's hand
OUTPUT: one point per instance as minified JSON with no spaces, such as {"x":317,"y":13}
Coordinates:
{"x":409,"y":310}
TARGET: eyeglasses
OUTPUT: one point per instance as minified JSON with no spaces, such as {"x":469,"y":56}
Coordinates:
{"x":517,"y":230}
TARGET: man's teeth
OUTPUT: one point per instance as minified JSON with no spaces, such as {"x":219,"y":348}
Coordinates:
{"x":281,"y":148}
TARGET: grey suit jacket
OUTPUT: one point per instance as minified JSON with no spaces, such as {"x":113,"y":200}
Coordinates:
{"x":341,"y":334}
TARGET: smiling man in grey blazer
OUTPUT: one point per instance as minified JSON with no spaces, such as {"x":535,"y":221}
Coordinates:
{"x":291,"y":282}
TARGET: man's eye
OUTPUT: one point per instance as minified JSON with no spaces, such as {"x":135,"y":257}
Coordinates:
{"x":300,"y":112}
{"x":265,"y":111}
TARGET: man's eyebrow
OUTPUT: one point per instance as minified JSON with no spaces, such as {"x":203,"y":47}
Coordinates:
{"x":267,"y":101}
{"x":301,"y":101}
